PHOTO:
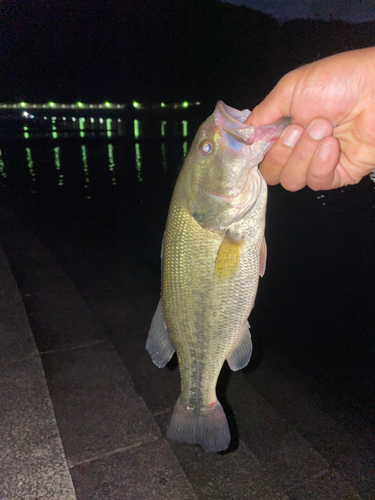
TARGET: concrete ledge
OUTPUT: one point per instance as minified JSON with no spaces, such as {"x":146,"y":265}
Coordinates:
{"x":33,"y":463}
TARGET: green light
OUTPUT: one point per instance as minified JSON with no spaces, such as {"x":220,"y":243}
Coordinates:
{"x":138,"y":162}
{"x":107,"y":104}
{"x":51,"y":104}
{"x":163,"y":124}
{"x":58,"y":166}
{"x":162,"y":104}
{"x":86,"y":170}
{"x":136,"y":129}
{"x":25,"y":132}
{"x":2,"y":166}
{"x":185,"y":104}
{"x":30,"y":164}
{"x":80,"y":104}
{"x":81,"y":124}
{"x":136,"y":104}
{"x":22,"y":104}
{"x":164,"y":157}
{"x":108,"y":123}
{"x":184,"y":128}
{"x":57,"y":157}
{"x":111,"y":162}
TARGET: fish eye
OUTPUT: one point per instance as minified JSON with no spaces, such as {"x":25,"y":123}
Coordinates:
{"x":205,"y":147}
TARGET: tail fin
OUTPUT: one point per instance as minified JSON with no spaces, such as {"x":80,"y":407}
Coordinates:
{"x":207,"y":427}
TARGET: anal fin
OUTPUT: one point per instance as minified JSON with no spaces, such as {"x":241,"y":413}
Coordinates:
{"x":241,"y":353}
{"x":158,"y":343}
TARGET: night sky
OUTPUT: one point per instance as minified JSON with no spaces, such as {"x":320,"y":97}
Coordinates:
{"x":345,"y":10}
{"x":170,"y":50}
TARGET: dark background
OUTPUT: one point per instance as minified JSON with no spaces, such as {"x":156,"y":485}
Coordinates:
{"x":169,"y":50}
{"x":316,"y":302}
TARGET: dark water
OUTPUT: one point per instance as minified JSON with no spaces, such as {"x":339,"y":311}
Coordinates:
{"x":316,"y":302}
{"x":113,"y":172}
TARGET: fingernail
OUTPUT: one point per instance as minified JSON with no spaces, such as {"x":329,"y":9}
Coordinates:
{"x":291,"y":137}
{"x":324,"y":150}
{"x":317,"y":130}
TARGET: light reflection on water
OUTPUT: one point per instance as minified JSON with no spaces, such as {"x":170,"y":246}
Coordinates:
{"x":111,"y":164}
{"x":62,"y":127}
{"x":116,"y":166}
{"x":89,"y":128}
{"x":96,"y":173}
{"x":2,"y":167}
{"x":30,"y":166}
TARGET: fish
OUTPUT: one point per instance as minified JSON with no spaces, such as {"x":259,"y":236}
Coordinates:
{"x":213,"y":252}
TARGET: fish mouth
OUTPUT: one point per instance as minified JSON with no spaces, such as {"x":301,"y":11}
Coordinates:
{"x":231,"y":122}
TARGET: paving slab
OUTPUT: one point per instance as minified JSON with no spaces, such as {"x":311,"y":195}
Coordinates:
{"x":53,"y":305}
{"x":14,"y":344}
{"x":32,"y":459}
{"x":349,"y":451}
{"x":15,"y":235}
{"x":96,"y":406}
{"x":61,"y":319}
{"x":99,"y":414}
{"x":143,"y":472}
{"x":277,"y":445}
{"x":111,"y":308}
{"x":233,"y":475}
{"x":9,"y":293}
{"x":327,"y":486}
{"x":158,"y":387}
{"x":270,"y":444}
{"x":32,"y":264}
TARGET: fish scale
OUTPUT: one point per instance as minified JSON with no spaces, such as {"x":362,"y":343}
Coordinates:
{"x":212,"y":254}
{"x":211,"y":318}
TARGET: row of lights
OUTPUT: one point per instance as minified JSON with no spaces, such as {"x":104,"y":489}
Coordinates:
{"x":107,"y":104}
{"x":25,"y":114}
{"x":77,"y":105}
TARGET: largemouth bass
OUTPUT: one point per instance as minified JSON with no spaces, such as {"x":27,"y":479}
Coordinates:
{"x":213,"y":252}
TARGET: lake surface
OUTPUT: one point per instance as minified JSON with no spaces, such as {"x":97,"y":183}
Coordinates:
{"x":119,"y":172}
{"x":316,"y":302}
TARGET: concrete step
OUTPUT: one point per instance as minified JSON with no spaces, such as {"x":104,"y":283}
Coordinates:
{"x":113,"y":446}
{"x":272,"y":454}
{"x":33,"y":463}
{"x":332,"y":426}
{"x":271,"y":450}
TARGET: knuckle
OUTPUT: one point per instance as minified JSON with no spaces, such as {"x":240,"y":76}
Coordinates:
{"x":292,"y":183}
{"x":302,"y":155}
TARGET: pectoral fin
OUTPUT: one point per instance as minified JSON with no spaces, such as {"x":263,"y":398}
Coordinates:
{"x":263,"y":257}
{"x":228,"y":257}
{"x":241,"y":352}
{"x":158,"y":344}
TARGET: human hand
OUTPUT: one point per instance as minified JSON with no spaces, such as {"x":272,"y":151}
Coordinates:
{"x":337,"y":90}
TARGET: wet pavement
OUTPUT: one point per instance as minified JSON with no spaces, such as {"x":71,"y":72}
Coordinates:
{"x":84,"y":410}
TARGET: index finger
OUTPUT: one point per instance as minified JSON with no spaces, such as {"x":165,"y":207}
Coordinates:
{"x":277,"y":104}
